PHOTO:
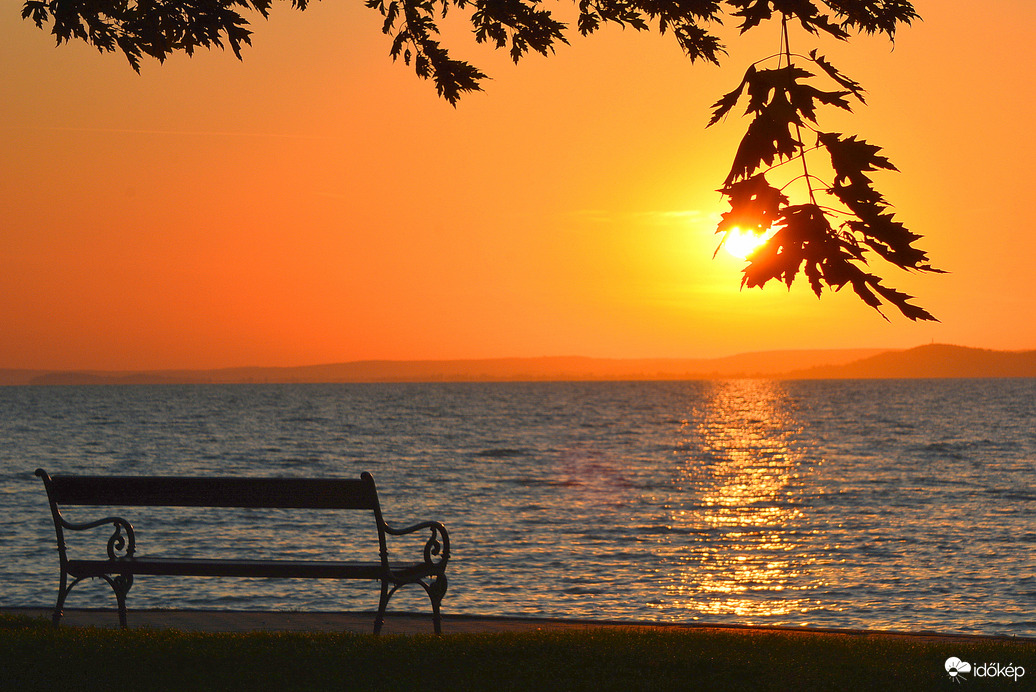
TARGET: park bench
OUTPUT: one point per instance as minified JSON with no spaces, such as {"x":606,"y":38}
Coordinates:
{"x":123,"y":563}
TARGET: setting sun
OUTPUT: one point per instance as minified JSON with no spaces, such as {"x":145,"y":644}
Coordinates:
{"x":741,"y":243}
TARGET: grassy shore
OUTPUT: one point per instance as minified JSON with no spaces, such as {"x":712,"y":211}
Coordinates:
{"x":34,"y":656}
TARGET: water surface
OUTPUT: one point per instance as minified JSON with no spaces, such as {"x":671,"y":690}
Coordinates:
{"x":873,"y":504}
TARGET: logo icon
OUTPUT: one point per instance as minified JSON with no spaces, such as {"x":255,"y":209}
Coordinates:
{"x":956,"y":668}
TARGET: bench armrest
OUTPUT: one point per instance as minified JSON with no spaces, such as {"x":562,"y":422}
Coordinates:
{"x":438,"y":542}
{"x":119,"y":544}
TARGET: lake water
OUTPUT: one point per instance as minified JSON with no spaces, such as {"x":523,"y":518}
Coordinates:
{"x":872,"y":504}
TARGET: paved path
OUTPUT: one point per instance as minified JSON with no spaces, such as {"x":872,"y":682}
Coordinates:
{"x":407,"y":623}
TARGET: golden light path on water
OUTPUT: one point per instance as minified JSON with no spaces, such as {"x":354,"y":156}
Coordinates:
{"x":749,"y":525}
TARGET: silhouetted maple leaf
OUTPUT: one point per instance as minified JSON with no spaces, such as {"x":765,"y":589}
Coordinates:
{"x":729,"y":100}
{"x":754,"y":12}
{"x":804,"y":96}
{"x":754,"y":205}
{"x":770,"y":98}
{"x":852,"y":85}
{"x":768,"y":137}
{"x":765,"y":85}
{"x":850,"y":157}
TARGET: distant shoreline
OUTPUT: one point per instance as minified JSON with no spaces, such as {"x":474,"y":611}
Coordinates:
{"x":929,"y":361}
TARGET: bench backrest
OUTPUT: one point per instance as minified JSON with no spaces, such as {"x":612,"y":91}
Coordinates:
{"x":177,"y":491}
{"x":181,"y":491}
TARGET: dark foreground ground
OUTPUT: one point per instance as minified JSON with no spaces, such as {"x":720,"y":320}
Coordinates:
{"x":220,"y":650}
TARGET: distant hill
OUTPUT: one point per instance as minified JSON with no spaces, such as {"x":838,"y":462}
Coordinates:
{"x":760,"y":364}
{"x":935,"y":360}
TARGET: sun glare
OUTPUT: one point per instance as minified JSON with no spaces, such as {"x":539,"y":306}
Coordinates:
{"x":741,"y":244}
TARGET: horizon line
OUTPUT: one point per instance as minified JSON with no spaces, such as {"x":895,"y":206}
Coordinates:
{"x":484,"y":359}
{"x":479,"y":359}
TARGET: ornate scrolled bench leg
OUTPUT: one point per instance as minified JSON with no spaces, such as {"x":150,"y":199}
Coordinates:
{"x":121,"y":584}
{"x":436,"y":590}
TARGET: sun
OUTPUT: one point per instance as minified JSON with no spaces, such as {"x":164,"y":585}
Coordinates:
{"x":741,"y":244}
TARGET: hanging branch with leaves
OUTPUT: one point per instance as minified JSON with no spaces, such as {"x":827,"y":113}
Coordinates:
{"x":828,"y":243}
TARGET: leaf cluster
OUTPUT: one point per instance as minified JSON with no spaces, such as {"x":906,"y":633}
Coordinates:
{"x":781,"y":103}
{"x":805,"y":239}
{"x":412,"y":25}
{"x":158,"y":28}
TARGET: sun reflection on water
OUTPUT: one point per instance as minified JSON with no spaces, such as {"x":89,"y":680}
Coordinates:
{"x":740,"y":500}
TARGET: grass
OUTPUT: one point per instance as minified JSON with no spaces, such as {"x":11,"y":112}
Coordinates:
{"x":34,"y":656}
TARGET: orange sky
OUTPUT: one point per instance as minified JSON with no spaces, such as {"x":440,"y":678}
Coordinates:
{"x":318,"y":203}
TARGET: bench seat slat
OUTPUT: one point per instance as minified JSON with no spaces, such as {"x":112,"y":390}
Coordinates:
{"x":199,"y":567}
